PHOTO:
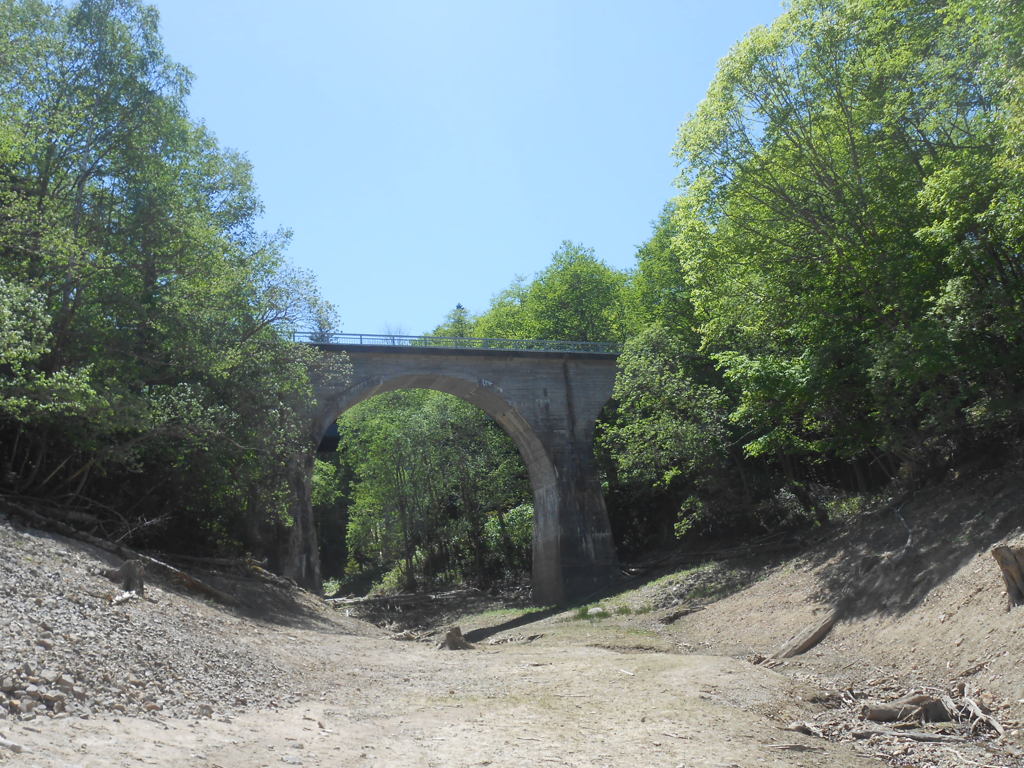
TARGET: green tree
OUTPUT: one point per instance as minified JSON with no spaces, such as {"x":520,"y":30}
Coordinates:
{"x":576,"y":298}
{"x":820,"y":178}
{"x":153,"y":306}
{"x":457,"y":324}
{"x":430,"y":474}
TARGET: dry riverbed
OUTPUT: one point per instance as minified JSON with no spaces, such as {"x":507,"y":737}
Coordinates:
{"x":91,"y":680}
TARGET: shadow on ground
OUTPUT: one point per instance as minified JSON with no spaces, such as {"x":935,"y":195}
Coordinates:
{"x":482,"y":633}
{"x":888,"y":560}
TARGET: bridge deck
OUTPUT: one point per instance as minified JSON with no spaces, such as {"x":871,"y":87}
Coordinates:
{"x":327,"y":340}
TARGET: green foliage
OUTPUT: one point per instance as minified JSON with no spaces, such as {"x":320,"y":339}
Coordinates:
{"x":673,"y":411}
{"x":837,"y":225}
{"x":27,"y":394}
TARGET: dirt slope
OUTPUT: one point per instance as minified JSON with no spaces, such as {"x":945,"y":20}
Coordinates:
{"x":923,"y":600}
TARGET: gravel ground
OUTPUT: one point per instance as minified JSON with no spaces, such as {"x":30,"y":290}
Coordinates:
{"x":70,"y":645}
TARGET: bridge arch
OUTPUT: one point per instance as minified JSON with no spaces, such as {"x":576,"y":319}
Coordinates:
{"x":548,"y":403}
{"x":538,"y":463}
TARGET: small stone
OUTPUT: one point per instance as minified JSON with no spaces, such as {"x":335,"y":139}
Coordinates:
{"x":204,"y":710}
{"x":45,"y":643}
{"x":50,"y":676}
{"x":152,"y":706}
{"x":7,"y":684}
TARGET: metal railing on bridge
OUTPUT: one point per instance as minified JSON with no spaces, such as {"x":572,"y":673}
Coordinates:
{"x":455,"y":342}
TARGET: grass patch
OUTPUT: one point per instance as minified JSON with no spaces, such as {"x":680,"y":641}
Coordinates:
{"x":583,"y":612}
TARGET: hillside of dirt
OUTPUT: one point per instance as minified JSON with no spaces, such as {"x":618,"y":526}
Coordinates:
{"x":674,"y":668}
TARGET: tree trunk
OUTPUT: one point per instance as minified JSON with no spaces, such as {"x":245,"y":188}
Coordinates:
{"x":1011,"y":563}
{"x":303,"y":563}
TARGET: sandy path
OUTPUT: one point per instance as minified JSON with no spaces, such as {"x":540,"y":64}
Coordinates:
{"x":364,"y":701}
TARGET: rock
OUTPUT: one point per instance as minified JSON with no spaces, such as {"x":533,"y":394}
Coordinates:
{"x":7,"y":684}
{"x":204,"y":710}
{"x":597,"y":612}
{"x":50,"y":676}
{"x":45,"y":643}
{"x":152,"y":706}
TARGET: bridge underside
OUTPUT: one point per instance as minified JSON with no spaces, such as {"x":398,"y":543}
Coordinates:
{"x":548,"y":403}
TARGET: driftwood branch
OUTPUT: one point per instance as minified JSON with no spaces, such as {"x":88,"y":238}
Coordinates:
{"x":809,"y":637}
{"x":912,"y":735}
{"x":979,"y":716}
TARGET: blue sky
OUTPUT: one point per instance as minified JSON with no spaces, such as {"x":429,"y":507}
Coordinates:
{"x":426,"y":153}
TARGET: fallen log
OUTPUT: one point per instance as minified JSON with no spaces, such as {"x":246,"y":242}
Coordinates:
{"x":918,"y":706}
{"x":809,"y":637}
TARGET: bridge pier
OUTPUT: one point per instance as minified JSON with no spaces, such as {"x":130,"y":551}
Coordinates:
{"x":548,"y":403}
{"x":573,"y":551}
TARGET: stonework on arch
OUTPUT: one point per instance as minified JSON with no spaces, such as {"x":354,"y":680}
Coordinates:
{"x":548,"y":403}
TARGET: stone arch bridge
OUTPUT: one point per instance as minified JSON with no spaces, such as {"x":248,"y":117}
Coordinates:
{"x":546,"y":395}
